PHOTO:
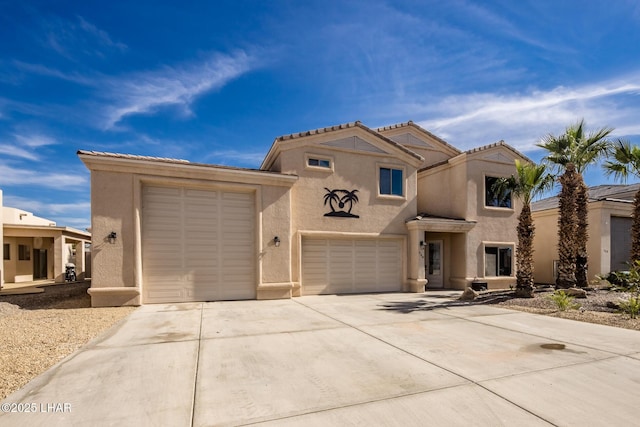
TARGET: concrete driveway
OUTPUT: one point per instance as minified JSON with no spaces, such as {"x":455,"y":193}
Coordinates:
{"x":382,"y":359}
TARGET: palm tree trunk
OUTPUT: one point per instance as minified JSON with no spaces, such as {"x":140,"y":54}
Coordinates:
{"x":582,"y":235}
{"x":567,"y":227}
{"x":524,"y":258}
{"x":635,"y":230}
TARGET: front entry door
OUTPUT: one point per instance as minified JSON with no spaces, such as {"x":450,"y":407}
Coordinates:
{"x":433,"y":264}
{"x":39,"y":264}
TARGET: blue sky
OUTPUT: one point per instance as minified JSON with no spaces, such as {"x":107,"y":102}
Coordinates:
{"x":217,"y":81}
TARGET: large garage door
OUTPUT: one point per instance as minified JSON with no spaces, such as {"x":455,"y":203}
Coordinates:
{"x":197,"y":245}
{"x":335,"y":266}
{"x":620,"y":243}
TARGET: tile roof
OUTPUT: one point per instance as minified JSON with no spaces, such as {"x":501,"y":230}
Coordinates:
{"x":421,"y":129}
{"x":500,"y":143}
{"x":613,"y":192}
{"x":167,"y":160}
{"x":357,"y":124}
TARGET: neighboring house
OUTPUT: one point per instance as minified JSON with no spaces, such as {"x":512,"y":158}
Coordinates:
{"x":609,"y":247}
{"x":35,"y":248}
{"x":341,"y":209}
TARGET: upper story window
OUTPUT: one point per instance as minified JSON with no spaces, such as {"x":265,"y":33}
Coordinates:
{"x":6,"y":251}
{"x":319,"y":163}
{"x":322,"y":163}
{"x":24,"y":253}
{"x":493,"y":198}
{"x":391,"y":181}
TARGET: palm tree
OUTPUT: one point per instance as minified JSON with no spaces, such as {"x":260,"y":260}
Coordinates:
{"x":529,"y":181}
{"x":627,"y":161}
{"x":580,"y":149}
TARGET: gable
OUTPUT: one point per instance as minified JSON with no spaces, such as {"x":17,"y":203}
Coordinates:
{"x":354,"y":143}
{"x":498,"y":157}
{"x":410,"y":139}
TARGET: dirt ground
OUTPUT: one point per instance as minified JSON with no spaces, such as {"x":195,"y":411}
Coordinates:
{"x":39,"y":330}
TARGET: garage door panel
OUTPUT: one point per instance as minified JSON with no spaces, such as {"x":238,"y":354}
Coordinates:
{"x":198,"y":245}
{"x":332,"y":266}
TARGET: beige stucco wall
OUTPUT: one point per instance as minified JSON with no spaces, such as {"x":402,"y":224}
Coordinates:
{"x":457,"y":190}
{"x":545,"y":242}
{"x":20,"y":217}
{"x":116,"y":189}
{"x":379,"y":215}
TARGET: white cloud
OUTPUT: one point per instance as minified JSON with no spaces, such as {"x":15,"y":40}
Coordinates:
{"x":144,"y":92}
{"x":45,"y":209}
{"x":522,"y":119}
{"x":60,"y":181}
{"x":25,"y":146}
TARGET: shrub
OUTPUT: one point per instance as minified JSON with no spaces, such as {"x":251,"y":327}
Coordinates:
{"x":563,"y":301}
{"x":631,"y":306}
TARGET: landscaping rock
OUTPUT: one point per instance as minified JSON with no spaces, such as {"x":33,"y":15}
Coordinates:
{"x":468,"y":295}
{"x":576,"y":292}
{"x":613,"y":305}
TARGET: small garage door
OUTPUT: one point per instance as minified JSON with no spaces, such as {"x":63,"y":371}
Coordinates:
{"x":197,"y":245}
{"x":620,"y":243}
{"x":335,"y":266}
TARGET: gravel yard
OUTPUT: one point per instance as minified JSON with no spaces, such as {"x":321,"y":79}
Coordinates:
{"x":38,"y":330}
{"x":593,"y":309}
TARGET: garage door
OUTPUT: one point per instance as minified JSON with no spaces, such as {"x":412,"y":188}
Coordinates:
{"x":620,"y":243}
{"x":197,"y":245}
{"x":335,"y":266}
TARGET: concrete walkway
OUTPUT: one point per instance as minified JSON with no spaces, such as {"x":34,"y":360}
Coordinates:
{"x":385,"y":359}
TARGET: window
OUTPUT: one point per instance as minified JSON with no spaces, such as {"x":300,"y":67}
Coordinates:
{"x":391,"y":181}
{"x":493,"y":198}
{"x":498,"y":261}
{"x":6,"y":251}
{"x":24,"y":253}
{"x":321,"y":163}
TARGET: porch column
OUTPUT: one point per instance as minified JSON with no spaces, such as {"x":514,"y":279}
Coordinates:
{"x":80,"y":260}
{"x":416,"y":280}
{"x":59,"y":258}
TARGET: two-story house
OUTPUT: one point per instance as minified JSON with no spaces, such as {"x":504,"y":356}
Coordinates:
{"x":342,"y":209}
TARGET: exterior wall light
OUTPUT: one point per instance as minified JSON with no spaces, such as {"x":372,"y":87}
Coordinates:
{"x":276,"y":241}
{"x":422,"y":244}
{"x":112,"y":237}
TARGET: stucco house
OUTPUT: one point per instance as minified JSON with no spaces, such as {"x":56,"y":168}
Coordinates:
{"x":609,"y":247}
{"x":341,"y":209}
{"x":36,"y":248}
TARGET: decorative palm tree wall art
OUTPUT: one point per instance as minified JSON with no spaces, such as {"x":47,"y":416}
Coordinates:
{"x":344,"y":200}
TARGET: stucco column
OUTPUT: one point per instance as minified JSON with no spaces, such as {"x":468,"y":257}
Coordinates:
{"x":59,"y":258}
{"x":80,"y":260}
{"x":415,"y":270}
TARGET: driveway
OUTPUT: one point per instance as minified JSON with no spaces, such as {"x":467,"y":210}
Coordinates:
{"x":381,"y":359}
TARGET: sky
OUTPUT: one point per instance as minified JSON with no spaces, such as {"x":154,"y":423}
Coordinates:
{"x":217,"y":81}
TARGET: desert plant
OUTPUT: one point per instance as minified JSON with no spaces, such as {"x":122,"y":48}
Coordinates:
{"x":631,"y":306}
{"x":563,"y":301}
{"x":625,"y":162}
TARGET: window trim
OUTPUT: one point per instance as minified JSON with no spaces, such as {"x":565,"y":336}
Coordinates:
{"x":484,"y":195}
{"x":499,"y":245}
{"x":401,"y":168}
{"x":319,"y":157}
